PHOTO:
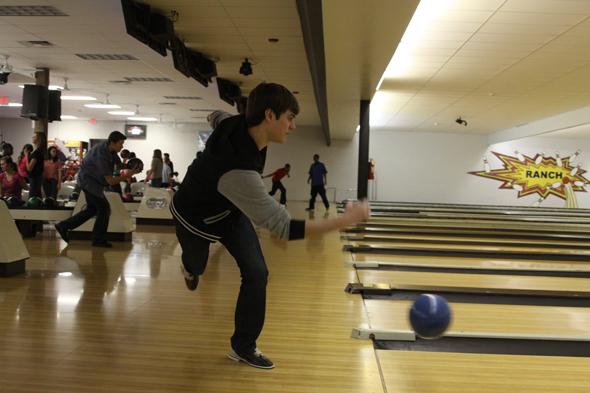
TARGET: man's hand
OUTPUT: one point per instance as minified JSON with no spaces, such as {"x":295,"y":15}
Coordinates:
{"x":356,"y":212}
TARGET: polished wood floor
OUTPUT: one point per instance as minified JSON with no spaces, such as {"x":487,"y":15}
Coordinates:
{"x":121,"y":320}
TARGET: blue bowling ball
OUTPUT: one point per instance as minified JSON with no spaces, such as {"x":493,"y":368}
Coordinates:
{"x":430,"y":316}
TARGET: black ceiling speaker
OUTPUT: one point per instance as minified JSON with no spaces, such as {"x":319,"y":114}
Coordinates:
{"x":246,"y":68}
{"x":54,"y":107}
{"x":34,"y":102}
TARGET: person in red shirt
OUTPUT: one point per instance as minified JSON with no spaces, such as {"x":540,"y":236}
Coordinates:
{"x":22,"y":160}
{"x":52,"y":173}
{"x":11,"y":184}
{"x":276,"y":182}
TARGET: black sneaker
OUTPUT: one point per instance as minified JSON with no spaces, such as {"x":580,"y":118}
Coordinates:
{"x":103,"y":244}
{"x":63,"y":233}
{"x":190,"y":279}
{"x":254,"y":359}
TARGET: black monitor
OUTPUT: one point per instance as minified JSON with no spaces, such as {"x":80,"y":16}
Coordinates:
{"x":180,"y":56}
{"x":151,"y":28}
{"x":201,"y":68}
{"x":137,"y":20}
{"x":228,"y":91}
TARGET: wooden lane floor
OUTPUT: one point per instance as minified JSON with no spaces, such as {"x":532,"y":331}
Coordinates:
{"x":121,"y":320}
{"x":484,"y":217}
{"x":393,"y":230}
{"x":439,"y":372}
{"x":475,"y":283}
{"x":428,"y":205}
{"x":469,"y":250}
{"x":484,"y":210}
{"x":474,"y":223}
{"x":490,"y":320}
{"x":491,"y":265}
{"x":467,"y":240}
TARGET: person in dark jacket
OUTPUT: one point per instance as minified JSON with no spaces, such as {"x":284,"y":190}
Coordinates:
{"x":96,"y":173}
{"x":223,"y":193}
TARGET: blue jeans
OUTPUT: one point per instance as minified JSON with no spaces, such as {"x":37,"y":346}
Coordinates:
{"x":95,"y":206}
{"x":277,"y":185}
{"x":242,"y":243}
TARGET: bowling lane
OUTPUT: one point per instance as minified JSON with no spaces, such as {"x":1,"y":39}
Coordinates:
{"x":439,"y":372}
{"x":515,"y":252}
{"x":477,"y":283}
{"x":506,"y":320}
{"x":470,"y":263}
{"x":458,"y":239}
{"x":474,"y":223}
{"x":484,"y":217}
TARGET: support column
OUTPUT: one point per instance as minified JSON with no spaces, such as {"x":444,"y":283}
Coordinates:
{"x":41,"y":125}
{"x":363,"y":165}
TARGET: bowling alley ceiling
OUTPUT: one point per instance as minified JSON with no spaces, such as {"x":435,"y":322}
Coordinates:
{"x":227,"y":31}
{"x":498,"y":64}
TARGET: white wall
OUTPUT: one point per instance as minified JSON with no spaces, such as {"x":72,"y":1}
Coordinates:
{"x":432,"y":167}
{"x":340,"y":158}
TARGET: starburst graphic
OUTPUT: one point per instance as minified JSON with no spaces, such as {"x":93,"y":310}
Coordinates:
{"x":540,"y":175}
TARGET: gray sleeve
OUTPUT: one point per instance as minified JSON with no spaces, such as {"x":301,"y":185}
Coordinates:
{"x":247,"y":191}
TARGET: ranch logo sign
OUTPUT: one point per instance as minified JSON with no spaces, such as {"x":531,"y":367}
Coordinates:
{"x":541,"y":174}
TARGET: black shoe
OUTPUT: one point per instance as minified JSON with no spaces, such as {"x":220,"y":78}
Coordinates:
{"x":63,"y":233}
{"x":103,"y":244}
{"x":190,"y":279}
{"x":254,"y":359}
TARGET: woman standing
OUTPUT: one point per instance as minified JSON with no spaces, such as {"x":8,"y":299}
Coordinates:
{"x":35,"y":165}
{"x":22,"y":160}
{"x":52,"y":173}
{"x":156,"y":169}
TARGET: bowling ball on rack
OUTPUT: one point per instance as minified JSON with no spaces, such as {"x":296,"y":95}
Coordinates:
{"x":430,"y":316}
{"x":135,"y":164}
{"x":14,"y":202}
{"x":34,"y":202}
{"x":49,"y":203}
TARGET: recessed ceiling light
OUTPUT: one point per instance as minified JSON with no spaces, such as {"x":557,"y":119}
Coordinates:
{"x":55,"y":87}
{"x":12,"y":104}
{"x":121,"y":113}
{"x":102,"y":106}
{"x":78,"y":98}
{"x":68,"y":117}
{"x":141,"y":118}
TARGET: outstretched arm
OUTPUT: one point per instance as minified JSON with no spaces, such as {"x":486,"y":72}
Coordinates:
{"x":355,"y":213}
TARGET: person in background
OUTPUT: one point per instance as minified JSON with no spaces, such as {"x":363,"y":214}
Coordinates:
{"x":167,"y":161}
{"x":167,"y":169}
{"x":96,"y":173}
{"x":155,"y":171}
{"x":277,"y":184}
{"x":35,"y":161}
{"x":216,"y":117}
{"x":318,"y":179}
{"x":52,"y":173}
{"x":22,"y":160}
{"x":11,"y":183}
